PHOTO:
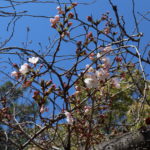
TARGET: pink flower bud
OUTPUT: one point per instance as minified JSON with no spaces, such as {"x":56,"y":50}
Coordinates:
{"x":74,"y":4}
{"x":68,"y":34}
{"x":70,"y":15}
{"x":89,"y":18}
{"x":92,"y":54}
{"x":27,"y":84}
{"x":15,"y":65}
{"x":36,"y":93}
{"x":91,"y":58}
{"x":42,"y":109}
{"x":52,"y":20}
{"x":14,"y":74}
{"x":106,"y":30}
{"x":61,"y":12}
{"x":118,"y":59}
{"x":89,"y":35}
{"x":70,"y":24}
{"x":57,"y":18}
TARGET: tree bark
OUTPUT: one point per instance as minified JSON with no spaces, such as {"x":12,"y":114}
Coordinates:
{"x":137,"y":140}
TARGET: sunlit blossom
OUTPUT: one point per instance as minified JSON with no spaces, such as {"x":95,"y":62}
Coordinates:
{"x":90,"y":69}
{"x":106,"y":62}
{"x":14,"y":74}
{"x":33,"y":60}
{"x":69,"y":117}
{"x":91,"y":82}
{"x":57,"y":18}
{"x":98,"y":55}
{"x":87,"y":109}
{"x":24,"y":68}
{"x":58,"y":8}
{"x":102,"y":74}
{"x":107,"y":49}
{"x":42,"y":109}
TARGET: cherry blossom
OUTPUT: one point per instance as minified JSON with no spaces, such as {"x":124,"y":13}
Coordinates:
{"x":60,"y":11}
{"x":90,"y":69}
{"x":102,"y":74}
{"x":58,"y":8}
{"x":91,"y":56}
{"x":42,"y":109}
{"x":106,"y":62}
{"x":27,"y":84}
{"x":33,"y":60}
{"x":69,"y":118}
{"x":98,"y":55}
{"x":70,"y":15}
{"x":24,"y":68}
{"x":70,"y":24}
{"x":91,"y":82}
{"x":107,"y":49}
{"x":14,"y":74}
{"x":87,"y":109}
{"x":55,"y":20}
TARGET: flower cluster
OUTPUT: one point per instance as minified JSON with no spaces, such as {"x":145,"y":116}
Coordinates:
{"x":60,"y":11}
{"x":25,"y":68}
{"x":54,"y":21}
{"x":94,"y":77}
{"x":63,"y":28}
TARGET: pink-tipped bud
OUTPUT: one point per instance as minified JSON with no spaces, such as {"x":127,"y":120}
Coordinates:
{"x":42,"y":109}
{"x":57,"y":18}
{"x":70,"y":24}
{"x":36,"y":93}
{"x":89,"y":35}
{"x":118,"y":59}
{"x":27,"y":84}
{"x":74,"y":4}
{"x":89,"y":18}
{"x":70,"y":15}
{"x":15,"y":65}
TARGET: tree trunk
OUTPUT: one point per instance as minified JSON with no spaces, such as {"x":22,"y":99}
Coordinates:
{"x":137,"y":140}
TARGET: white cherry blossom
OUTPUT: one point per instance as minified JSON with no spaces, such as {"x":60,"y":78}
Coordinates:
{"x":24,"y":68}
{"x":102,"y":74}
{"x":107,"y":49}
{"x":69,"y":118}
{"x":98,"y":55}
{"x":90,"y":69}
{"x":33,"y":60}
{"x":87,"y":109}
{"x":14,"y":74}
{"x":91,"y":82}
